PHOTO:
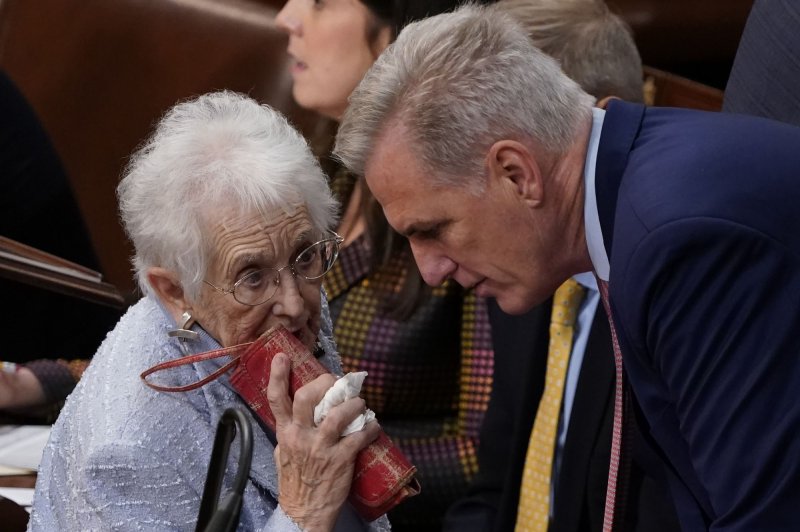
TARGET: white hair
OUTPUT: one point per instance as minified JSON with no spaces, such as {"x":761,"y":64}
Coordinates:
{"x":218,"y":153}
{"x":457,"y":83}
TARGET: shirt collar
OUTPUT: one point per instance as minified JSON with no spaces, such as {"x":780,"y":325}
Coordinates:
{"x":587,"y":280}
{"x":594,"y":235}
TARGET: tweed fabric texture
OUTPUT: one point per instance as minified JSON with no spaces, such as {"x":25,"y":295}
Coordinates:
{"x":125,"y":457}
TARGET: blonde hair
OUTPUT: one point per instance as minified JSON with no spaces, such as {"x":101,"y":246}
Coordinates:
{"x":594,"y":46}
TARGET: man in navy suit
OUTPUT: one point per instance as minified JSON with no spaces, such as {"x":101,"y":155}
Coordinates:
{"x":505,"y":178}
{"x":595,"y":48}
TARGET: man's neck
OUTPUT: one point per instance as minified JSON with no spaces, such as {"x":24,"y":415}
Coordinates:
{"x":567,"y":174}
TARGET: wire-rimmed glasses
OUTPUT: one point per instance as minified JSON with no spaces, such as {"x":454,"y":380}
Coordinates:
{"x":257,"y":287}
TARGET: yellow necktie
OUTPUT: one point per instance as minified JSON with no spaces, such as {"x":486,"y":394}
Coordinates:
{"x":534,"y":501}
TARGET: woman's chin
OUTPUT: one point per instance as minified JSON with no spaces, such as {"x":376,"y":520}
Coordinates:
{"x":312,"y":103}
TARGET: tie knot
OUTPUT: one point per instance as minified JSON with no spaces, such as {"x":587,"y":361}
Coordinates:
{"x":566,"y":301}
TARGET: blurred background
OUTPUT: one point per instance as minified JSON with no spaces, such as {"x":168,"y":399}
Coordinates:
{"x":98,"y":73}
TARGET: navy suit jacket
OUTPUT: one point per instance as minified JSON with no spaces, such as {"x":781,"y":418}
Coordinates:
{"x":700,"y":214}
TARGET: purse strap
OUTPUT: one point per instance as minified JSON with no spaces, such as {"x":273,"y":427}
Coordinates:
{"x":234,"y":351}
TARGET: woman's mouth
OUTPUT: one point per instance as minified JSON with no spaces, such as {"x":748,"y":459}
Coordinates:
{"x":306,"y":335}
{"x":300,"y":335}
{"x":298,"y":67}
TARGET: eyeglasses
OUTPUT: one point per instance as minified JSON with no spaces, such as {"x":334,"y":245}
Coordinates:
{"x":259,"y":286}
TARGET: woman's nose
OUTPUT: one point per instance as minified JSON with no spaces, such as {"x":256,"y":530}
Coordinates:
{"x":288,"y":298}
{"x":287,"y":19}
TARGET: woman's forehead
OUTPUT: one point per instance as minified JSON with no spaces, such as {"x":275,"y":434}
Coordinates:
{"x":255,"y":234}
{"x":275,"y":222}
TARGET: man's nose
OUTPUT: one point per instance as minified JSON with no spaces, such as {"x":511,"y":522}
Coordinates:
{"x":435,"y":267}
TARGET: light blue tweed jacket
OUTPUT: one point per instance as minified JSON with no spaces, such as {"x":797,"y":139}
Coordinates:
{"x":125,"y":457}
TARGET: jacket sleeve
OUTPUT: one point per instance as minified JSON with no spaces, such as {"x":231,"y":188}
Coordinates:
{"x":710,"y":310}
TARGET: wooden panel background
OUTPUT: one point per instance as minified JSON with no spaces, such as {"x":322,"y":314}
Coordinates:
{"x":99,"y":73}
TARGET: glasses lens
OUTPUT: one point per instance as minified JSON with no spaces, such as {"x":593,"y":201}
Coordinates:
{"x":312,"y":263}
{"x":256,"y":287}
{"x":316,"y":260}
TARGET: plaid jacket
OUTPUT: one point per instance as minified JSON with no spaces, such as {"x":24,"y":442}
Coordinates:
{"x":430,"y":376}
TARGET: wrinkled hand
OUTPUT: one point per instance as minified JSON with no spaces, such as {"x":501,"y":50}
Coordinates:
{"x":315,"y":464}
{"x":20,"y":389}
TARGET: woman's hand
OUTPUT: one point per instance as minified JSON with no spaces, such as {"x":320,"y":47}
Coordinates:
{"x":315,"y":464}
{"x":20,"y":389}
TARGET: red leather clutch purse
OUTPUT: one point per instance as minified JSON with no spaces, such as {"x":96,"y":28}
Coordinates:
{"x":383,"y":475}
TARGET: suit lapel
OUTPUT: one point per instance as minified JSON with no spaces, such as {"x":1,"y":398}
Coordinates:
{"x":620,"y":128}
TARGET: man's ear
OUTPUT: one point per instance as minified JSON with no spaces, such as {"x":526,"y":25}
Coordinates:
{"x":603,"y":102}
{"x":513,"y":164}
{"x":169,"y":290}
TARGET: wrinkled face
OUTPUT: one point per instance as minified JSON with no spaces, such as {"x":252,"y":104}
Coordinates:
{"x":486,"y":241}
{"x":330,"y":51}
{"x":242,"y":245}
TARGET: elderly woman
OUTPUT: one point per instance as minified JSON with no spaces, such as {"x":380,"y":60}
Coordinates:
{"x":230,"y":218}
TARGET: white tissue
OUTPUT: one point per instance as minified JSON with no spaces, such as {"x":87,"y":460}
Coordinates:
{"x":343,"y":389}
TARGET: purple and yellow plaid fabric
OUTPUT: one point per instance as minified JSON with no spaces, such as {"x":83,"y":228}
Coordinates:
{"x":430,"y":376}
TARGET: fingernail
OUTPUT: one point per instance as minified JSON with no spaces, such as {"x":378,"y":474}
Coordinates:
{"x":283,"y":360}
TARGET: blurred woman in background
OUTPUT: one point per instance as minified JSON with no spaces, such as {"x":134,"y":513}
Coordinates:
{"x":428,"y":351}
{"x":231,"y":218}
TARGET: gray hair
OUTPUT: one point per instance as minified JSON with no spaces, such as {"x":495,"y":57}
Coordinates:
{"x":218,"y":151}
{"x":594,"y":46}
{"x":457,"y":83}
